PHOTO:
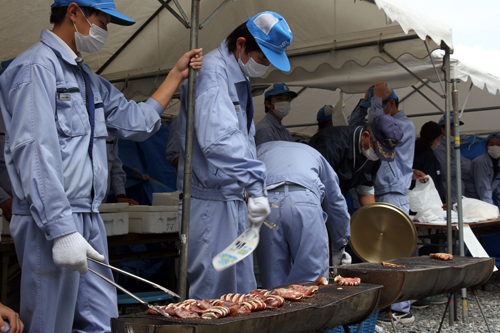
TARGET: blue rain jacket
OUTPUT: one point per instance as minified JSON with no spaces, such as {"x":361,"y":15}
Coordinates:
{"x":484,"y":180}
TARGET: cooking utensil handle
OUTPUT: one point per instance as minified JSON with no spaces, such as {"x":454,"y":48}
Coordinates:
{"x":118,"y":286}
{"x":135,"y":277}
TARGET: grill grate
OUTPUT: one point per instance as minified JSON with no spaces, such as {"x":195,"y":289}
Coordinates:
{"x":326,"y":296}
{"x":413,"y":263}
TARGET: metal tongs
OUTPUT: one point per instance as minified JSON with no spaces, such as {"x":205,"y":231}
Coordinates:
{"x":270,"y":224}
{"x":152,"y":307}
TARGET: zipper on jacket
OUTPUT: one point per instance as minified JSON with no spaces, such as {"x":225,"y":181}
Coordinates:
{"x":88,"y":112}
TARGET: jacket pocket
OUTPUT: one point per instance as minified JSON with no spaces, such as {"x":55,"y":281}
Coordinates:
{"x":71,"y":113}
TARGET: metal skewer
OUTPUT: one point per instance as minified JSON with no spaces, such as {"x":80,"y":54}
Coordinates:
{"x":271,"y":225}
{"x":152,"y":307}
{"x":135,"y":277}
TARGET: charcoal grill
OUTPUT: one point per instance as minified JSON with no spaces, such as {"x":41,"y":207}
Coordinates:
{"x":421,"y":276}
{"x":332,"y":306}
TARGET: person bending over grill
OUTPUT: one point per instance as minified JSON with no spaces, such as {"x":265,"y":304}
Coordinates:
{"x":306,"y":188}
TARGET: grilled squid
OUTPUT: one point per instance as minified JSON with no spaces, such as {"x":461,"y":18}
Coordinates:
{"x":254,"y":305}
{"x":308,"y":291}
{"x":240,"y":298}
{"x":216,"y":312}
{"x":321,"y":281}
{"x":274,"y":301}
{"x":342,"y":281}
{"x":442,"y":256}
{"x":289,"y":294}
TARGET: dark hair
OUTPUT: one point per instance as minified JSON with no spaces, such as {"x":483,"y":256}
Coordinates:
{"x":268,"y":99}
{"x":58,"y":13}
{"x":323,"y":125}
{"x":242,"y":31}
{"x":429,"y":132}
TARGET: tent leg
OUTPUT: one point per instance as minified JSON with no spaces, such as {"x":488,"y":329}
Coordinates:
{"x":188,"y":159}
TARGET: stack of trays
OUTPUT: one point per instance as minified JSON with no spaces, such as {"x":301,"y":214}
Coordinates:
{"x":152,"y":219}
{"x":115,"y":220}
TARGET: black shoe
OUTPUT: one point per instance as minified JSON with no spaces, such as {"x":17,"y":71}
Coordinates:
{"x":421,"y":303}
{"x":398,"y":317}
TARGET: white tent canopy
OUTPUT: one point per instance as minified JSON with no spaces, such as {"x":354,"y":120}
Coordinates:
{"x":326,"y":32}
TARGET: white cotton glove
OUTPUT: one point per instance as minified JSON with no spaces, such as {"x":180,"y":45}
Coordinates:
{"x":346,"y":259}
{"x":258,"y":210}
{"x":71,"y":251}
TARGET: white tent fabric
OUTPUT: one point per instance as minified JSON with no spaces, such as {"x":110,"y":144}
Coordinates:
{"x":353,"y":30}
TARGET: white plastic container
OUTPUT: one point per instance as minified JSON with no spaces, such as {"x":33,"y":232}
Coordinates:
{"x":115,"y":220}
{"x":152,"y":219}
{"x":166,"y":199}
{"x":115,"y":223}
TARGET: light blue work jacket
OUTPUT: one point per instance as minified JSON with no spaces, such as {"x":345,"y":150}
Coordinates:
{"x":224,"y":156}
{"x":43,"y":103}
{"x":269,"y":129}
{"x":485,"y":183}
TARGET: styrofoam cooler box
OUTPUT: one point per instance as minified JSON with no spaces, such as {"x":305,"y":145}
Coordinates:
{"x":116,"y":222}
{"x":152,"y":219}
{"x":166,"y":199}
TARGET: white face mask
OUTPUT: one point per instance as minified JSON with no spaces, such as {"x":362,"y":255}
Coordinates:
{"x":370,"y":154}
{"x":252,"y":68}
{"x":494,"y":151}
{"x":281,"y":109}
{"x":94,"y":41}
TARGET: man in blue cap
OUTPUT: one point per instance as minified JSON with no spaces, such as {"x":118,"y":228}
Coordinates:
{"x":277,"y":106}
{"x":355,"y":153}
{"x":226,"y":168}
{"x":393,"y":178}
{"x":486,"y":168}
{"x":324,"y":117}
{"x":57,"y":115}
{"x":465,"y":163}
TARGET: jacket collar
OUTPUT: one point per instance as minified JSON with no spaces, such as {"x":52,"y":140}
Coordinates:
{"x":234,"y":69}
{"x":56,"y":44}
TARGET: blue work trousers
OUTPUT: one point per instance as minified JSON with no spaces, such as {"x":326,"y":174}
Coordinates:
{"x":299,"y":249}
{"x":56,"y":299}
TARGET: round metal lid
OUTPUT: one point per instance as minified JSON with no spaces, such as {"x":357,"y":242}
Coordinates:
{"x":382,"y":231}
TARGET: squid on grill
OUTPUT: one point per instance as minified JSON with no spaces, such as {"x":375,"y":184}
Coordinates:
{"x":216,"y":312}
{"x":342,"y":281}
{"x":321,"y":281}
{"x":442,"y":256}
{"x":240,"y":298}
{"x":274,"y":301}
{"x":289,"y":294}
{"x":254,"y":305}
{"x":308,"y":291}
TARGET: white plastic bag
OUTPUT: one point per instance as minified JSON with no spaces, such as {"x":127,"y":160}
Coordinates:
{"x":478,"y":209}
{"x":425,"y":201}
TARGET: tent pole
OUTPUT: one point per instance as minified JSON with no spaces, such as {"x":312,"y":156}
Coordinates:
{"x":448,"y":159}
{"x":188,"y":158}
{"x":456,"y":122}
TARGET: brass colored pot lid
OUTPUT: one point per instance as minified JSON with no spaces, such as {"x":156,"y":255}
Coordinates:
{"x":382,"y":231}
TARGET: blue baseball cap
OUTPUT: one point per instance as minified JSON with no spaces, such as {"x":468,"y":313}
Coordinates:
{"x":368,"y":103}
{"x":106,"y":6}
{"x":491,"y":136}
{"x":442,"y":122}
{"x":278,"y":89}
{"x":273,"y":35}
{"x":324,"y":114}
{"x":388,"y":135}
